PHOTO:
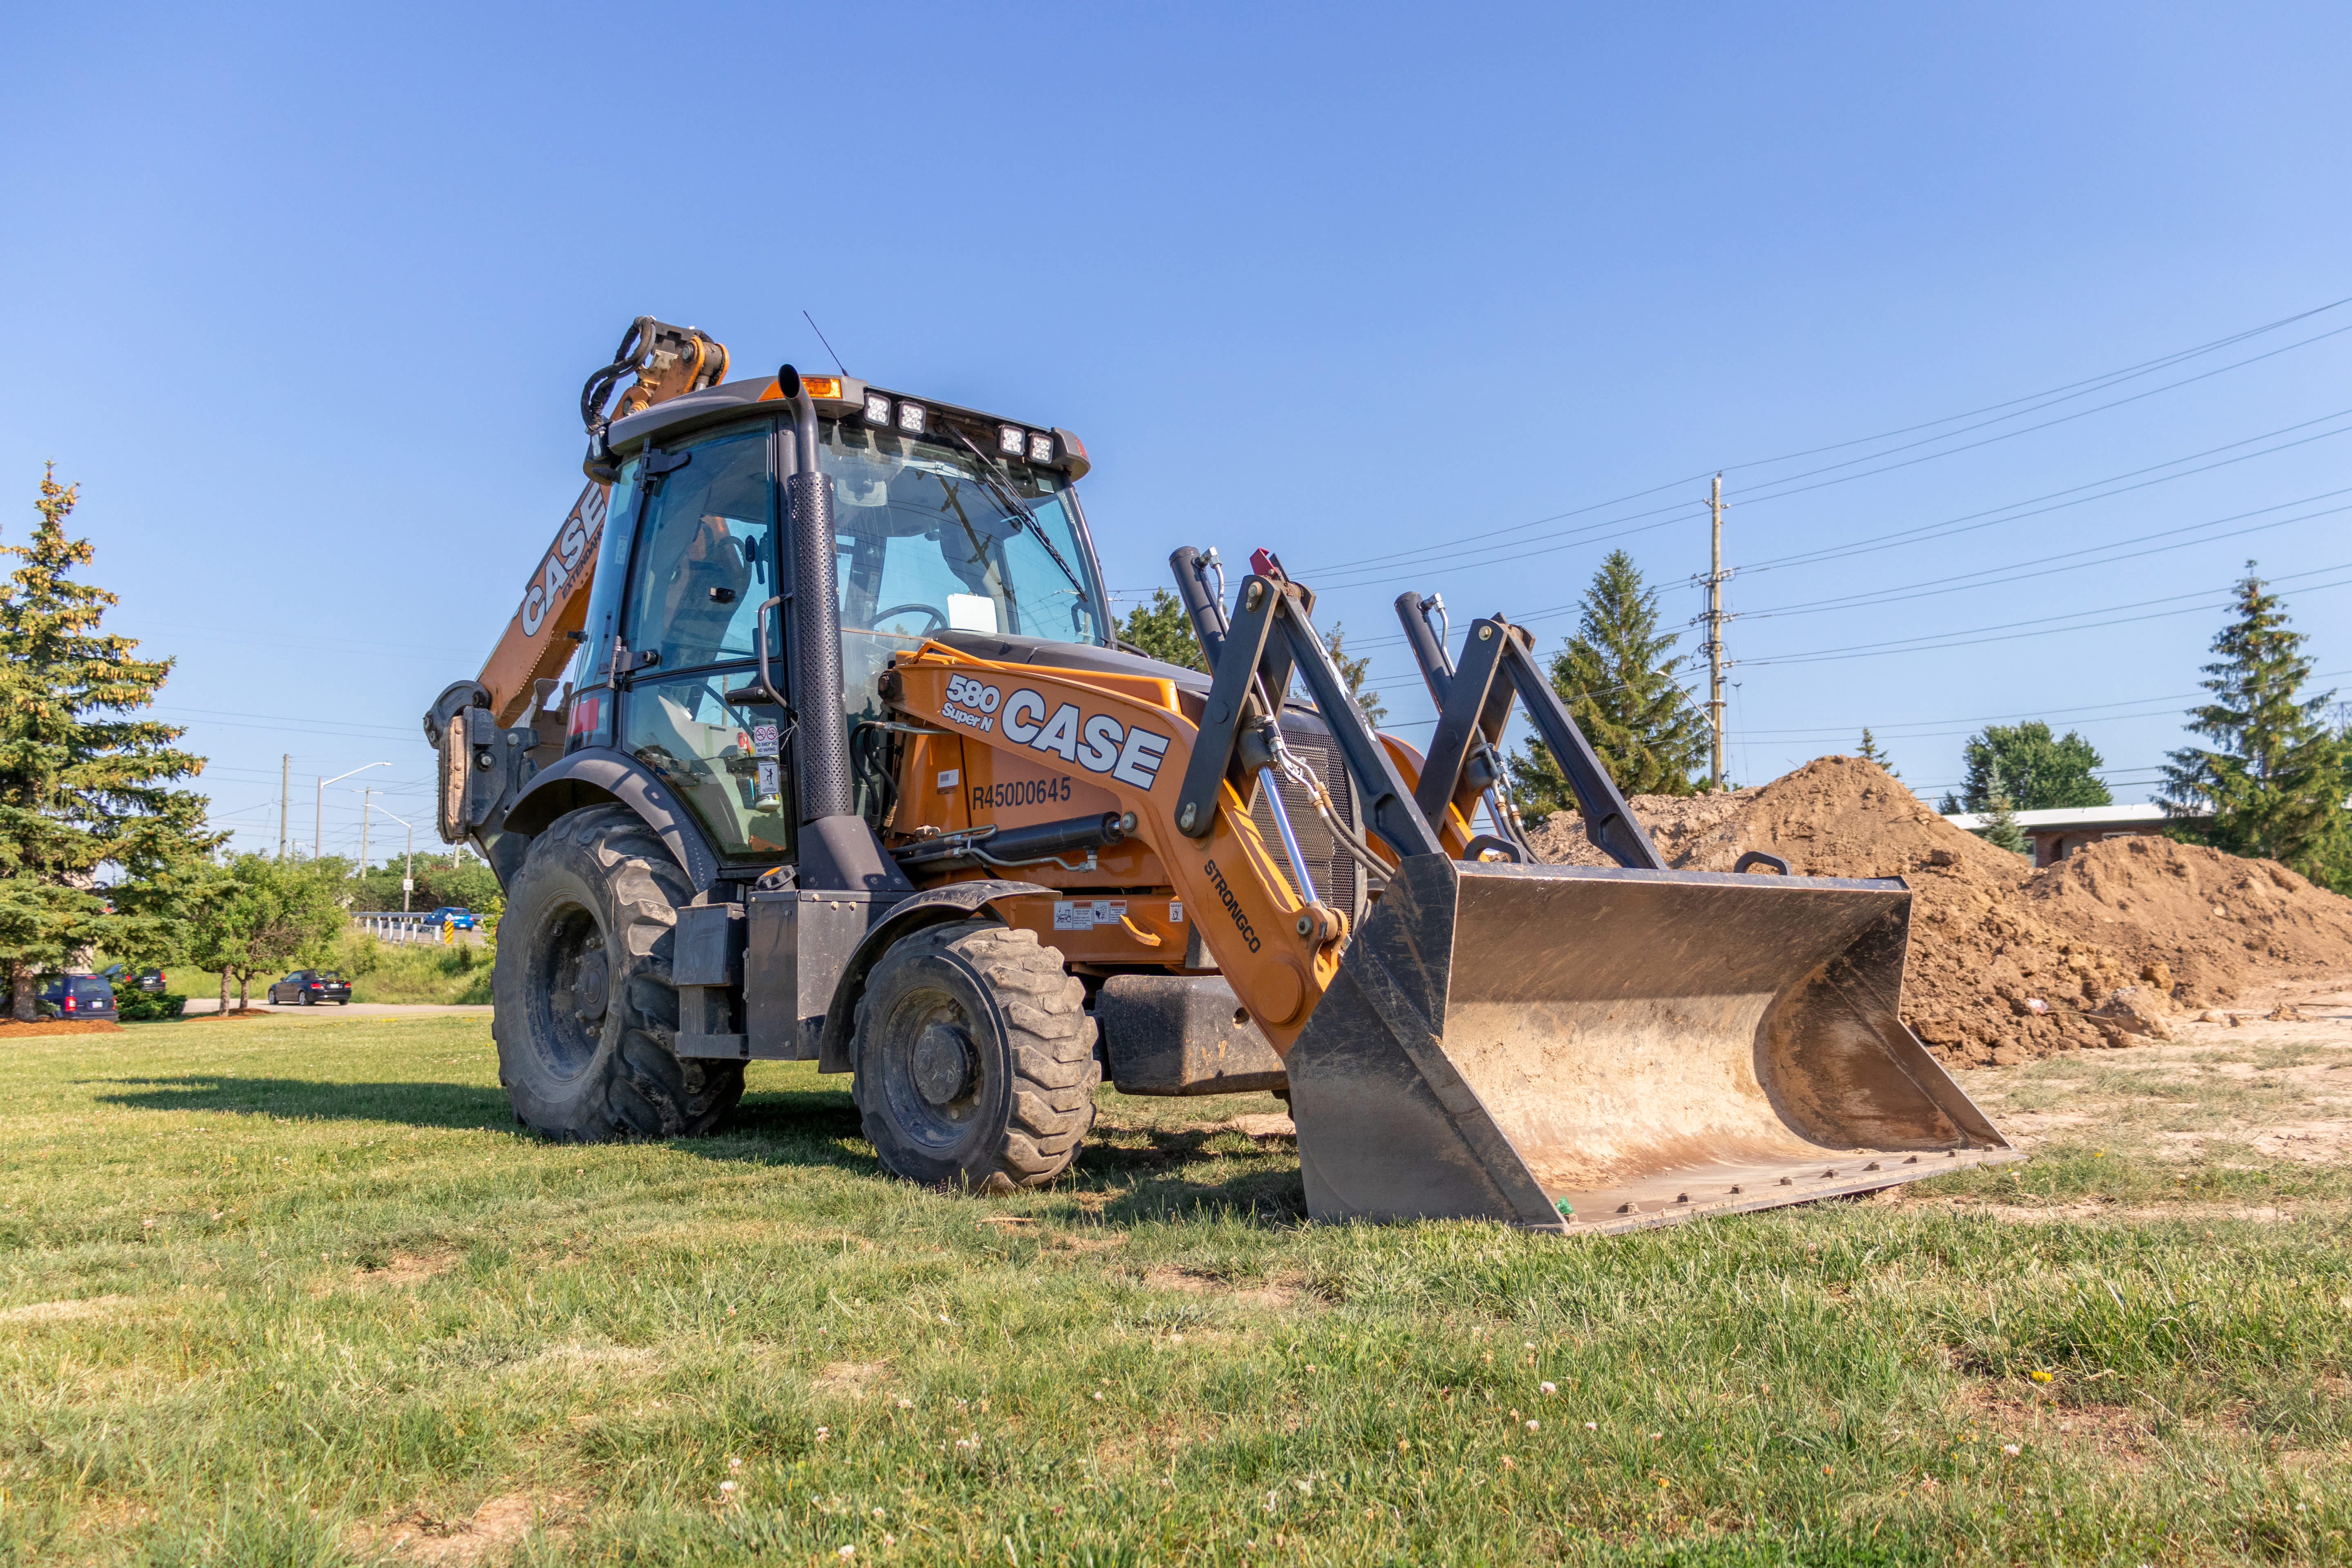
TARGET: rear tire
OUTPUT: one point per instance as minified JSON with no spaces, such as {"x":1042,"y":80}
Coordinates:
{"x":586,"y":1014}
{"x":976,"y":1063}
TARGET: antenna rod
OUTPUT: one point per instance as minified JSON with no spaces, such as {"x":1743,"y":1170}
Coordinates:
{"x":821,"y":338}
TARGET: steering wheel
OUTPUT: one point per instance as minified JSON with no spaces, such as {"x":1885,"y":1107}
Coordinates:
{"x":939,"y":621}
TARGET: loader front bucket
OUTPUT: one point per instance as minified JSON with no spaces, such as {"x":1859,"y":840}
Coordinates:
{"x":1580,"y":1048}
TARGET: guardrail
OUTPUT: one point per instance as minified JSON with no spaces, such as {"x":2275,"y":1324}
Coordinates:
{"x":391,"y":925}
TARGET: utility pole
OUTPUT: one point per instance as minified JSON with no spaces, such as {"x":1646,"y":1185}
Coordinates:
{"x":1713,"y":645}
{"x":285,"y":784}
{"x":367,"y":799}
{"x":319,"y":818}
{"x":408,"y":876}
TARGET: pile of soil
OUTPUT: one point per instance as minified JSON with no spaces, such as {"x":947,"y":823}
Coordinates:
{"x":12,"y":1030}
{"x":2214,"y":923}
{"x":2008,"y":963}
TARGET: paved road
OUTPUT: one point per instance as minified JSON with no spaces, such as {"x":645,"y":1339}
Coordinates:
{"x":355,"y":1010}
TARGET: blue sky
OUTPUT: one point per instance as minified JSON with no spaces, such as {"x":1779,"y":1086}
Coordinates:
{"x":304,"y":298}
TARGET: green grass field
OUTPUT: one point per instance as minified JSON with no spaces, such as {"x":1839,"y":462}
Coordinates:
{"x":296,"y":1291}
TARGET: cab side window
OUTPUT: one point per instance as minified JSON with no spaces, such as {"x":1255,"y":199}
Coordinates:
{"x":704,"y":554}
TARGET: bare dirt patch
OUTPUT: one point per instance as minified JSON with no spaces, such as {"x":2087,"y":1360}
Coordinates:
{"x":64,"y":1312}
{"x":574,"y":1355}
{"x":1277,"y":1295}
{"x":486,"y":1535}
{"x":2093,"y":1212}
{"x":1261,"y":1129}
{"x":2121,"y":1435}
{"x":2307,"y":1143}
{"x":395,"y":1271}
{"x":410,"y":1267}
{"x":2260,"y":1092}
{"x":848,"y":1379}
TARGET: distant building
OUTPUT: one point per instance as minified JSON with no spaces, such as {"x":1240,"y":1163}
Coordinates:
{"x":2057,"y":833}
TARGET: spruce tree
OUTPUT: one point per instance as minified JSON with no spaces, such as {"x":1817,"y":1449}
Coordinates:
{"x":2001,"y":829}
{"x":1163,"y":631}
{"x":1871,"y":752}
{"x":1620,"y":685}
{"x":1355,"y":672}
{"x":88,"y":816}
{"x":2274,"y":781}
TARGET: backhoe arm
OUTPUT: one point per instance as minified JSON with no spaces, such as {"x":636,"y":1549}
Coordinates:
{"x":666,"y":361}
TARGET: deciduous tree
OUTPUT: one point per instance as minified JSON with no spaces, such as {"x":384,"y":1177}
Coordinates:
{"x":2034,"y":770}
{"x":261,"y":914}
{"x":1164,"y":632}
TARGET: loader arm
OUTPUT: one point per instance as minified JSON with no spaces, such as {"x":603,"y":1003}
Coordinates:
{"x":1129,"y":736}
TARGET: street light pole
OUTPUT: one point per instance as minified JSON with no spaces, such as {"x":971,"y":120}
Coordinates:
{"x":408,"y":877}
{"x":319,"y":820}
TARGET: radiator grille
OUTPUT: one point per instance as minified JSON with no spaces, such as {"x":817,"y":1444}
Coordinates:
{"x":1337,"y":876}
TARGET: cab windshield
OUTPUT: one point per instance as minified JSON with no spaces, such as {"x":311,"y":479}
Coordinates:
{"x":932,"y":537}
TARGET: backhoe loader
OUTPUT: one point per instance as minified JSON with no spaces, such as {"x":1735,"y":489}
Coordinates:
{"x":811,"y":738}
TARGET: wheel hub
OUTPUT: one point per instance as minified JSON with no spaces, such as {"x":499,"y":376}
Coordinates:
{"x":942,"y":1064}
{"x":593,"y":988}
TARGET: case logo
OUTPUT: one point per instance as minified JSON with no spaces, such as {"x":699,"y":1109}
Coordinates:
{"x":1100,"y":744}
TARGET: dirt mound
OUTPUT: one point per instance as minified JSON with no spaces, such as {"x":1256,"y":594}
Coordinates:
{"x":2203,"y":924}
{"x":1988,"y":977}
{"x":1674,"y":822}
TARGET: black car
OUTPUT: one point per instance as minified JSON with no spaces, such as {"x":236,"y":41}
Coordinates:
{"x":306,"y":988}
{"x":145,"y":979}
{"x":77,"y":996}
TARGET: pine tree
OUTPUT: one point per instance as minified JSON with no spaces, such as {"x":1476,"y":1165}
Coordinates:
{"x":84,"y":784}
{"x":1163,"y":631}
{"x":2276,"y":781}
{"x":1355,"y":671}
{"x":1871,"y":752}
{"x":2001,"y":829}
{"x":2036,"y":771}
{"x":1621,"y":689}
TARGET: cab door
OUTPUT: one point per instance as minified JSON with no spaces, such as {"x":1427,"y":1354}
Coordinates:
{"x":704,"y":558}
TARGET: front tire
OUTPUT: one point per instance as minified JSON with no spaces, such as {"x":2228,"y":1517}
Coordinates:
{"x":586,"y":1014}
{"x":976,"y":1063}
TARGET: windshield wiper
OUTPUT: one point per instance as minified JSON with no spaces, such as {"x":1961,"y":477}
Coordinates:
{"x":1003,"y":489}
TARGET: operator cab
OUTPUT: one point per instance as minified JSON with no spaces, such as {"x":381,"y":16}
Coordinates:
{"x":948,"y":524}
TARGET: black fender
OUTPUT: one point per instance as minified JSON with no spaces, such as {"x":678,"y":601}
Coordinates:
{"x":940,"y":906}
{"x":591,"y":777}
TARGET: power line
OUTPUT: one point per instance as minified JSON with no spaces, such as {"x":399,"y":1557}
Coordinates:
{"x":1987,"y":517}
{"x":2040,"y":400}
{"x":2006,"y":435}
{"x":1934,"y":585}
{"x":1971,"y":638}
{"x":1950,"y":526}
